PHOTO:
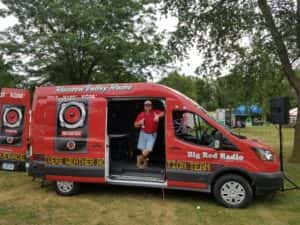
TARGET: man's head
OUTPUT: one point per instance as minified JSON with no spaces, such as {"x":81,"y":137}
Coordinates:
{"x":147,"y":105}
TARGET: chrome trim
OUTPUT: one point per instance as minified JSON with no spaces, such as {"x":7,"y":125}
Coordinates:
{"x":137,"y":183}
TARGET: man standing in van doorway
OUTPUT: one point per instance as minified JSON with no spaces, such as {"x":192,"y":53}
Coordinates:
{"x":148,"y":122}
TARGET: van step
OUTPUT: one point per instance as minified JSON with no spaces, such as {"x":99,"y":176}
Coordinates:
{"x":120,"y":167}
{"x":146,"y":170}
{"x":137,"y":178}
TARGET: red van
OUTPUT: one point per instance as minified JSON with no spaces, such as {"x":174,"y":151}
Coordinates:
{"x":14,"y":128}
{"x":86,"y":134}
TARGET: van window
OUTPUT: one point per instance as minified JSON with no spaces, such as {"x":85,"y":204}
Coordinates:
{"x":192,"y":128}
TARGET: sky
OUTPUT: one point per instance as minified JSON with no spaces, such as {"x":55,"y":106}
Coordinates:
{"x":187,"y":66}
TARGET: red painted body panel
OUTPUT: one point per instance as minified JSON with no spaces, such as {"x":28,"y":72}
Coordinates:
{"x":99,"y":180}
{"x":190,"y":185}
{"x":44,"y":125}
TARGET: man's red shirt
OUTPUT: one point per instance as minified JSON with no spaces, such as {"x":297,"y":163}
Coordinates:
{"x":150,"y":126}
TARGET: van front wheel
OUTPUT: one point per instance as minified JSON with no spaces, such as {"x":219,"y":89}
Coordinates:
{"x":66,"y":188}
{"x":233,"y":191}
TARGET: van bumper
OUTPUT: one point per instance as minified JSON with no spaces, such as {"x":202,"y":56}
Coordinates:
{"x":18,"y":165}
{"x":267,"y":182}
{"x":37,"y":169}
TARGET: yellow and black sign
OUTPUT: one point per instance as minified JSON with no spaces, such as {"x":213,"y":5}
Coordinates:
{"x":194,"y":166}
{"x":87,"y":162}
{"x":12,"y":156}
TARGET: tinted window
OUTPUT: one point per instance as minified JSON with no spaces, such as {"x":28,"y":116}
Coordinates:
{"x":192,"y":128}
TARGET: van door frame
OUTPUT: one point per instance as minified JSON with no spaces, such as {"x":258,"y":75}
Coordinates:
{"x":107,"y":155}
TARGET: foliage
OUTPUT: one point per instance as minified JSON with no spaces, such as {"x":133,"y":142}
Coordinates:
{"x":206,"y":93}
{"x":242,"y":86}
{"x":7,"y":79}
{"x":226,"y":31}
{"x":83,"y":41}
{"x":254,"y":81}
{"x":184,"y":84}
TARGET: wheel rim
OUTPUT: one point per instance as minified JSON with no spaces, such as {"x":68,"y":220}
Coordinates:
{"x":65,"y":186}
{"x":233,"y":192}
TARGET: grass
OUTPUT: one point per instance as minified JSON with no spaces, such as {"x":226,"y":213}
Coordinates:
{"x":23,"y":201}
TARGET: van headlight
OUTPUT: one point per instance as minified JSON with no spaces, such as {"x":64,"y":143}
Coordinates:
{"x":264,"y":154}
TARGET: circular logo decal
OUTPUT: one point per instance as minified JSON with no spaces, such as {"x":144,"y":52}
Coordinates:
{"x":71,"y":145}
{"x":72,"y":115}
{"x":12,"y":117}
{"x":9,"y":140}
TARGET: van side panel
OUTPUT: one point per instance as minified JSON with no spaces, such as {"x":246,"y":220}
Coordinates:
{"x":14,"y":128}
{"x":68,"y":139}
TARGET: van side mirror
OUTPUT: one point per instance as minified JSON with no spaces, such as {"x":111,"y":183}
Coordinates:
{"x":218,"y":139}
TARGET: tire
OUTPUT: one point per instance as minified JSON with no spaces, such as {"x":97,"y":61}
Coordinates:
{"x":233,"y":191}
{"x":66,"y":188}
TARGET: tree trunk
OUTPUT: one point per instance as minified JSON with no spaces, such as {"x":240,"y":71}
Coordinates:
{"x":295,"y":157}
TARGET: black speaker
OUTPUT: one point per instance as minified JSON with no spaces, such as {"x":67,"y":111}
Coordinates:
{"x":279,"y":110}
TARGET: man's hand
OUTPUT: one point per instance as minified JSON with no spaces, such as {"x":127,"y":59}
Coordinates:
{"x":141,"y":122}
{"x":156,"y":117}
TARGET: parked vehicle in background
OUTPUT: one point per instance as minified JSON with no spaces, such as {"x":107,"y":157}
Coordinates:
{"x":14,"y":128}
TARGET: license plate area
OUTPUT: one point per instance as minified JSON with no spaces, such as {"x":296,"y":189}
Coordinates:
{"x":8,"y":166}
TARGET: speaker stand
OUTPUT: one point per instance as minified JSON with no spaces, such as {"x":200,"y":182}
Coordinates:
{"x":285,"y":177}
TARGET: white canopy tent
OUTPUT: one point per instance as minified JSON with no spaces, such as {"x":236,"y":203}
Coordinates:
{"x":293,"y":115}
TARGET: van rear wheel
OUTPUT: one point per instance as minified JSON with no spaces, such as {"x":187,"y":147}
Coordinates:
{"x":233,"y":191}
{"x":66,"y":188}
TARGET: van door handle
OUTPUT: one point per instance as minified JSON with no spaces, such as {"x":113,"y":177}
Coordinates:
{"x":175,"y":148}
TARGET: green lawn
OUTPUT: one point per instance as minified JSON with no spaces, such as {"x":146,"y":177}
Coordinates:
{"x":25,"y":202}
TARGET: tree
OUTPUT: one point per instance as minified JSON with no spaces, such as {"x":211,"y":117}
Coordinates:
{"x":83,"y":41}
{"x":184,"y":84}
{"x":7,"y":79}
{"x":227,"y":31}
{"x":255,"y":80}
{"x":206,"y":93}
{"x":201,"y":90}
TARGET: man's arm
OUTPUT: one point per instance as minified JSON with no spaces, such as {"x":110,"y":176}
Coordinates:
{"x":158,"y":114}
{"x":139,"y":122}
{"x":161,"y":114}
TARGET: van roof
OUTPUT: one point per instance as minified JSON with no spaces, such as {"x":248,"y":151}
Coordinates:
{"x":110,"y":90}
